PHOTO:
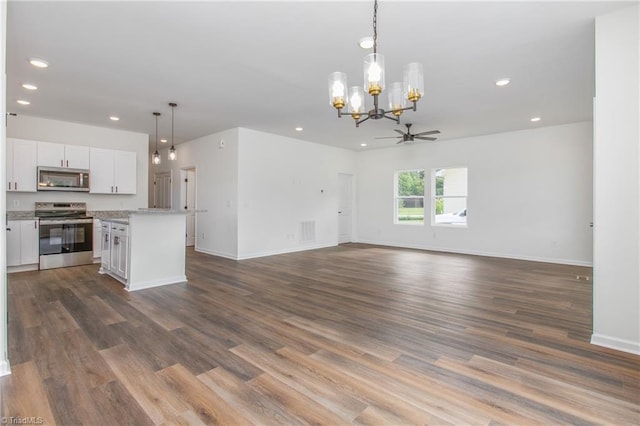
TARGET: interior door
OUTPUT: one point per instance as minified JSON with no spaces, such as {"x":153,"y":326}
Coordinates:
{"x":188,"y":177}
{"x":162,"y":190}
{"x":345,"y":208}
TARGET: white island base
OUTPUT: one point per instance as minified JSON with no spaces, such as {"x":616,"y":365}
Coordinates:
{"x":146,"y":250}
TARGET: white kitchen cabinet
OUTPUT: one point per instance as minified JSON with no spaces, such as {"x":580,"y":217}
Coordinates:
{"x":22,"y":242}
{"x":115,"y":250}
{"x":119,"y":249}
{"x":97,"y":238}
{"x":61,"y":155}
{"x":21,"y":165}
{"x":29,"y":240}
{"x":112,"y":171}
{"x":105,"y":243}
{"x":13,"y":243}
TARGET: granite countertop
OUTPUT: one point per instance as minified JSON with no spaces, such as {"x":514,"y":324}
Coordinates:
{"x":102,"y":214}
{"x":21,"y":215}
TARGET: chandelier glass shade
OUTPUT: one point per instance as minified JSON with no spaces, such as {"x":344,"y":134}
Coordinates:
{"x":400,"y":93}
{"x":155,"y":158}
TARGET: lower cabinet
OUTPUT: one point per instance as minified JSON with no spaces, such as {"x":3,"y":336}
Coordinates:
{"x":97,"y":239}
{"x":115,"y":249}
{"x":22,"y":242}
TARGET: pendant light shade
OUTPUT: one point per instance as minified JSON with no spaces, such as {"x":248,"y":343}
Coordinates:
{"x":155,"y":158}
{"x":173,"y":155}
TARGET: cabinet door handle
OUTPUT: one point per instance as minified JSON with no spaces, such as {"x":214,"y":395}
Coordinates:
{"x":116,"y":188}
{"x":15,"y":185}
{"x":116,"y":241}
{"x":112,"y":189}
{"x":61,"y":163}
{"x":35,"y":224}
{"x":8,"y":229}
{"x":106,"y":238}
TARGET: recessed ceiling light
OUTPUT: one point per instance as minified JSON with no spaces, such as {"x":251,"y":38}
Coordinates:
{"x":366,"y":42}
{"x":30,"y":86}
{"x":163,"y":140}
{"x":114,"y":118}
{"x":502,"y":82}
{"x":40,"y":63}
{"x":299,"y":129}
{"x":534,"y":119}
{"x":23,"y":102}
{"x":363,"y":144}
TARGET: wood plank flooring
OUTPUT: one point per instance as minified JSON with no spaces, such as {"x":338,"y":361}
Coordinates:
{"x":352,"y":334}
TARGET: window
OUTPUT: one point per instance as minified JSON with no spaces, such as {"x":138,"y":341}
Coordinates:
{"x":450,"y":197}
{"x":409,"y":197}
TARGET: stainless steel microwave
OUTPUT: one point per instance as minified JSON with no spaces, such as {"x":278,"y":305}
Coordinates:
{"x":62,"y":179}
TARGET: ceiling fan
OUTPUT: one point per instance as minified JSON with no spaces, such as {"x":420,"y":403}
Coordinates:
{"x":409,"y":137}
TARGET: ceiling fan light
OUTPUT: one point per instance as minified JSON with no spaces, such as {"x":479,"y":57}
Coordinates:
{"x":374,"y":73}
{"x":413,"y":81}
{"x":338,"y":89}
{"x":397,"y":100}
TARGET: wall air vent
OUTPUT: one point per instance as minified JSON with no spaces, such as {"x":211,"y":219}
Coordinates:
{"x":307,"y":231}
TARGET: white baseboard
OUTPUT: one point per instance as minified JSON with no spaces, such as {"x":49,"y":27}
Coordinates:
{"x":216,"y":253}
{"x":615,"y":343}
{"x":267,"y":253}
{"x":157,"y":283}
{"x":22,"y":268}
{"x":4,"y":368}
{"x":482,"y":253}
{"x":285,"y":251}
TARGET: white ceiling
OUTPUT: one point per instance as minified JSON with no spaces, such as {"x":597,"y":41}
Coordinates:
{"x":264,"y":65}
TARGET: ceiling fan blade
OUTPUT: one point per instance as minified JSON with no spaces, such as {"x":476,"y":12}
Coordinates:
{"x":425,"y":138}
{"x":430,"y":132}
{"x":390,"y":137}
{"x":398,"y":131}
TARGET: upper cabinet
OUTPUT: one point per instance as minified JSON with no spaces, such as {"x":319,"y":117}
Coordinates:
{"x":59,"y":155}
{"x":21,"y":165}
{"x":112,"y":171}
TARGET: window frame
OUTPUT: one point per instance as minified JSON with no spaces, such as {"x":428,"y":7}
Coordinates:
{"x":397,"y":197}
{"x":434,"y":198}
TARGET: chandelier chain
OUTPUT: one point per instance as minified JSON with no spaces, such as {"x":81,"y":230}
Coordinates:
{"x":375,"y":26}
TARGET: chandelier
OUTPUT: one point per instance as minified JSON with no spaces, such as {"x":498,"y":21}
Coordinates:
{"x":411,"y":89}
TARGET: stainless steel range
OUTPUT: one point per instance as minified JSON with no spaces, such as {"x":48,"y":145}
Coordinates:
{"x":66,"y":234}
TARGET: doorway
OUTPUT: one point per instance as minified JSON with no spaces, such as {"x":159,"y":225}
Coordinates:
{"x":188,"y":202}
{"x":345,"y":208}
{"x":162,"y":190}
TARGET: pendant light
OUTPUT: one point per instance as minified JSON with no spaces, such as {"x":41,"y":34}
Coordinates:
{"x":155,"y":159}
{"x":172,"y":151}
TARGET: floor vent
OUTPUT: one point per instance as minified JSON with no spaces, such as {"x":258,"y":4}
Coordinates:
{"x":307,"y":232}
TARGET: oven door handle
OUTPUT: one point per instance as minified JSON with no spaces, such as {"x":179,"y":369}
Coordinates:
{"x":64,"y":221}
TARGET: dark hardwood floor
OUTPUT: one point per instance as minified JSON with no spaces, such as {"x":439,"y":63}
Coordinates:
{"x":351,"y":334}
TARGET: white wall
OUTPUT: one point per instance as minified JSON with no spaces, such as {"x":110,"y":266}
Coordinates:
{"x":46,"y":130}
{"x":216,"y":189}
{"x":4,"y":358}
{"x":283,"y":181}
{"x":616,"y":293}
{"x":529,"y":194}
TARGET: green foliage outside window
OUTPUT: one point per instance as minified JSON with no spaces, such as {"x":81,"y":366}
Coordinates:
{"x":411,"y":183}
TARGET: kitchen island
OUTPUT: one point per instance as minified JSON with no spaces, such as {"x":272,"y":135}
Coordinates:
{"x":145,"y":249}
